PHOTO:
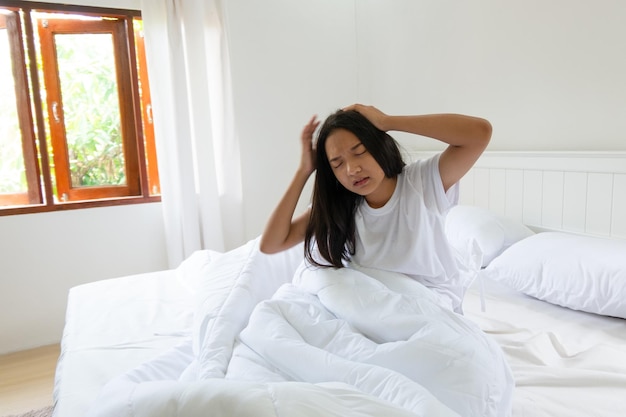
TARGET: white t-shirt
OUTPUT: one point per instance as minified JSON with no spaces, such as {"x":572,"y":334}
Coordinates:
{"x":407,"y":234}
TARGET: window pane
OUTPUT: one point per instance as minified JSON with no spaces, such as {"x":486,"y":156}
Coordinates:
{"x":91,"y":109}
{"x":146,"y":110}
{"x":12,"y":172}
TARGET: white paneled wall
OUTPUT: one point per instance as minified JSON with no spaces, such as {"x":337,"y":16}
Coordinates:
{"x":570,"y":191}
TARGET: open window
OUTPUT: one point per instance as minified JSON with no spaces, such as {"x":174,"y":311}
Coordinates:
{"x":76,"y":115}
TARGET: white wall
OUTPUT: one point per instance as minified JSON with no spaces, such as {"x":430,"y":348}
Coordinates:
{"x":43,"y":255}
{"x":549,"y":75}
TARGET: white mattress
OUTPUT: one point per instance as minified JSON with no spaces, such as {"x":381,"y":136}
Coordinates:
{"x":113,"y":326}
{"x":565,"y":362}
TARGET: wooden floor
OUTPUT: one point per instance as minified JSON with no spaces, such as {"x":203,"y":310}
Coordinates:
{"x":27,"y":379}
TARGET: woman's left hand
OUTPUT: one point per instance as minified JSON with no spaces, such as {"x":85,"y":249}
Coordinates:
{"x":375,"y":116}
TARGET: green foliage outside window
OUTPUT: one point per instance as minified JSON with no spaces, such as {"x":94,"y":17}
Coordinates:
{"x":91,"y":109}
{"x":12,"y":174}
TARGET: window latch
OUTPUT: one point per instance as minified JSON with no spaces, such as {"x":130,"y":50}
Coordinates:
{"x":55,"y":112}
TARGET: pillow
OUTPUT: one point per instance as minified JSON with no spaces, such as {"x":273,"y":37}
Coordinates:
{"x":579,"y":272}
{"x":468,"y":226}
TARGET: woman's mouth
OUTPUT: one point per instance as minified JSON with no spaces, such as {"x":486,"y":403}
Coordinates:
{"x":360,"y":182}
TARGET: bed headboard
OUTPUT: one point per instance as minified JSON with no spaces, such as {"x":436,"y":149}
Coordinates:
{"x":579,"y":192}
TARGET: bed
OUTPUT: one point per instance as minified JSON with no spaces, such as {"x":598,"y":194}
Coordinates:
{"x":548,"y":294}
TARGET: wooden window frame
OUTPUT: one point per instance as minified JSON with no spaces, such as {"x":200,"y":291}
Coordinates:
{"x":33,"y":195}
{"x":142,"y":180}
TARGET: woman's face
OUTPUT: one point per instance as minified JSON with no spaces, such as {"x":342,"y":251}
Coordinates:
{"x":356,"y":169}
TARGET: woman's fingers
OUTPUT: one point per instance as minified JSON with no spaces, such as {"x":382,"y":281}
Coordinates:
{"x":371,"y":113}
{"x":310,"y":127}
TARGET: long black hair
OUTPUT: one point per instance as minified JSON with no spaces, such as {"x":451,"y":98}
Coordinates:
{"x":331,"y":226}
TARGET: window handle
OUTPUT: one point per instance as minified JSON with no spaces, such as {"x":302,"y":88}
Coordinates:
{"x":149,"y":113}
{"x":55,"y":112}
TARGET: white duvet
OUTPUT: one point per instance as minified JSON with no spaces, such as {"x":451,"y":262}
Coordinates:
{"x":271,"y":338}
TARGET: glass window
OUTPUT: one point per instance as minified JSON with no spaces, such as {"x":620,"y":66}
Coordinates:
{"x":75,"y":110}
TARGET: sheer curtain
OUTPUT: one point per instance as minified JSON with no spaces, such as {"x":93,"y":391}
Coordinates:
{"x":197,"y":149}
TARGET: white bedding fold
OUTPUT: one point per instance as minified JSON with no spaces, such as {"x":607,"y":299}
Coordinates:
{"x":345,"y":325}
{"x":332,"y":342}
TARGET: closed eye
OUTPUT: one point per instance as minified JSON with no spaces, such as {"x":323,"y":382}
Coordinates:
{"x":357,"y":150}
{"x":360,"y":149}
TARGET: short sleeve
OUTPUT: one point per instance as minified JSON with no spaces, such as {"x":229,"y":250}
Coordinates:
{"x":425,"y":177}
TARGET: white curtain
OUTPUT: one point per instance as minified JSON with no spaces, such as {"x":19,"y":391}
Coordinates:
{"x":197,"y":148}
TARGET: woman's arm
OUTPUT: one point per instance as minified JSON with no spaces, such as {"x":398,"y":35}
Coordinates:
{"x":282,"y":230}
{"x":466,"y":136}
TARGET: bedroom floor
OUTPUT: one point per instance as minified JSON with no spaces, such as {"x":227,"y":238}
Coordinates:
{"x":27,"y":379}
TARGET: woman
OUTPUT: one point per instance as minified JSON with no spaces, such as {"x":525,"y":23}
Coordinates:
{"x":371,"y":209}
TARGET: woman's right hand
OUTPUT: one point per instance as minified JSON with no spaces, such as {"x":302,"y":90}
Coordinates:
{"x":283,"y":230}
{"x":307,"y":161}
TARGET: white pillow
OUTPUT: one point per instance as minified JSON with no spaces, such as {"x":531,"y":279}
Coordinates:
{"x":580,"y":272}
{"x":468,"y":226}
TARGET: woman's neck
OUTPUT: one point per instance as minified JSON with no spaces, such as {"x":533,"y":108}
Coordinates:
{"x":382,"y":194}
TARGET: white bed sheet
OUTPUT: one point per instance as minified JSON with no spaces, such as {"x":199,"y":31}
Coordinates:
{"x":565,"y":362}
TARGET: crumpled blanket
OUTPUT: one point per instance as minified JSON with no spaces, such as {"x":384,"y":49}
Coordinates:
{"x":273,"y":337}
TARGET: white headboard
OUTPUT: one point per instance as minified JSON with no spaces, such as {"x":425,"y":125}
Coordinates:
{"x":579,"y":192}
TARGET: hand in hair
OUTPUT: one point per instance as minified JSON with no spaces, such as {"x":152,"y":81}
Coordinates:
{"x":466,"y":136}
{"x":371,"y":113}
{"x":307,"y":160}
